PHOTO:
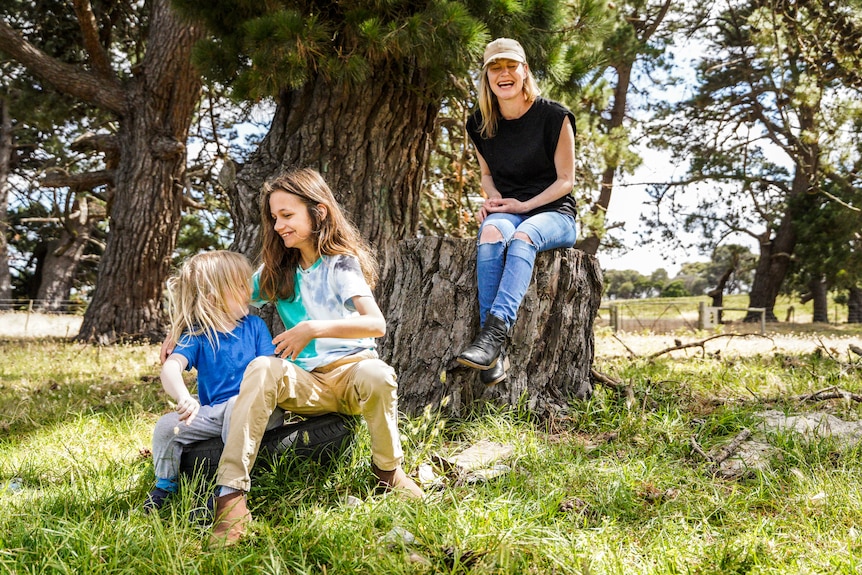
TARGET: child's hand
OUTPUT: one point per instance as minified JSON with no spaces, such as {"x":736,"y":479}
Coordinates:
{"x":288,"y":344}
{"x":188,"y":408}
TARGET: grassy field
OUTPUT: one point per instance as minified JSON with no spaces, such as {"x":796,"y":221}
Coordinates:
{"x":681,"y":314}
{"x":615,"y":486}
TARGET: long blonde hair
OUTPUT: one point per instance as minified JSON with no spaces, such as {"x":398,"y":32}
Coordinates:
{"x":490,"y":108}
{"x":200,"y":292}
{"x":334,"y":233}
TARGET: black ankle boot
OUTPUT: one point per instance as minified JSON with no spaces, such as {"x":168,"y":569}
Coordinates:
{"x":496,"y":374}
{"x":483,"y":352}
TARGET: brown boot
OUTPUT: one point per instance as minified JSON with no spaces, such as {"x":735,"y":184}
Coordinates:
{"x":231,"y":518}
{"x":397,"y":480}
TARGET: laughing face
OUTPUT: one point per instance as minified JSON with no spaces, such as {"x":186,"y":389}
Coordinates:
{"x":506,"y":78}
{"x":292,"y":222}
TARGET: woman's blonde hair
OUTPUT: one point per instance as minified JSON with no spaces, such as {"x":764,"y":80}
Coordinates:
{"x":334,"y":233}
{"x":490,"y":108}
{"x":200,"y":292}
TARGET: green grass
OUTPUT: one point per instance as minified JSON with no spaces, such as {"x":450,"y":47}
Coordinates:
{"x":604,"y":489}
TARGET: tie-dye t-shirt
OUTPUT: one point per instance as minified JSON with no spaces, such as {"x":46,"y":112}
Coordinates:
{"x":324,"y":291}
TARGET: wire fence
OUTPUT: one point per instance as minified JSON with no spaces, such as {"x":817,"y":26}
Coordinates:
{"x":670,"y":316}
{"x":51,"y":306}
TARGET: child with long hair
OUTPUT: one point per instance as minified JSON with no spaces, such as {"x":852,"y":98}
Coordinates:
{"x":319,"y":273}
{"x":208,"y":303}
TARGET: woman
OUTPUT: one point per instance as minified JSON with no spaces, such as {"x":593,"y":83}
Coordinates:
{"x":525,"y":145}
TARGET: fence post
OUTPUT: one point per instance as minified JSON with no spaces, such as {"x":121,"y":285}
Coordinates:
{"x":615,"y":318}
{"x":701,"y":315}
{"x":27,"y":320}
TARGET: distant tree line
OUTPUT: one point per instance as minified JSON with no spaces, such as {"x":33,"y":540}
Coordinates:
{"x":731,"y":268}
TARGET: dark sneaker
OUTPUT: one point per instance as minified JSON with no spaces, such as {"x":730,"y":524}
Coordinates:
{"x":156,"y":499}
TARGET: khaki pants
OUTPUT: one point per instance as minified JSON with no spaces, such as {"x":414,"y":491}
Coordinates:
{"x":354,"y":385}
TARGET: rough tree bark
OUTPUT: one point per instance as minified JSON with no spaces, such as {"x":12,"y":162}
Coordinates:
{"x":429,"y":300}
{"x":154,"y":109}
{"x":369,"y":141}
{"x":145,"y":215}
{"x":775,"y":253}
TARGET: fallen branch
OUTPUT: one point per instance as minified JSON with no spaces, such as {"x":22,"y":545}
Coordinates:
{"x":679,"y":345}
{"x":731,"y":447}
{"x":617,"y":386}
{"x":628,"y":349}
{"x":716,"y":460}
{"x":826,"y":349}
{"x":833,"y":392}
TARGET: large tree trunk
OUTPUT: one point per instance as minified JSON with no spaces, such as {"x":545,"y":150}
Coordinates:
{"x":429,"y":300}
{"x":5,"y":169}
{"x":772,"y":265}
{"x":63,"y":257}
{"x":717,"y":293}
{"x":776,"y":254}
{"x":818,"y":292}
{"x":145,"y":214}
{"x":369,"y":141}
{"x":590,"y":244}
{"x":854,"y":305}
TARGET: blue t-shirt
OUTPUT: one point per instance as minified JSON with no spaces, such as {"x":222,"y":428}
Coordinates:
{"x":323,"y":291}
{"x":220,"y":369}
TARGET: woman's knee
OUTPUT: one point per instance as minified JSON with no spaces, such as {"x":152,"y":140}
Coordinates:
{"x":490,"y":234}
{"x":523,"y":237}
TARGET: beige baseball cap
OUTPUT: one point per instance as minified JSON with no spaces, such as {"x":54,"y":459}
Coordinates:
{"x":504,"y":48}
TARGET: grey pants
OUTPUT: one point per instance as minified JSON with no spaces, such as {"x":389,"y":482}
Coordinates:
{"x":171,"y":435}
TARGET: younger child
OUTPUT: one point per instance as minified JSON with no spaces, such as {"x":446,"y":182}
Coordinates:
{"x":208,"y":307}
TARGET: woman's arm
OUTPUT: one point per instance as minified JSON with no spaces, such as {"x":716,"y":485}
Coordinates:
{"x":564,"y":161}
{"x":369,"y":323}
{"x":487,"y":184}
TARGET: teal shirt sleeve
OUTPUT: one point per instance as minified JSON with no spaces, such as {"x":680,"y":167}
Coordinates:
{"x":256,"y":300}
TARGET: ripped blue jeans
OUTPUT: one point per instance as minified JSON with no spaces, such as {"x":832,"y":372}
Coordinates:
{"x":504,"y":268}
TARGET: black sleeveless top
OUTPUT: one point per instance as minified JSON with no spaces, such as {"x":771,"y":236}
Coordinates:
{"x":521,"y":154}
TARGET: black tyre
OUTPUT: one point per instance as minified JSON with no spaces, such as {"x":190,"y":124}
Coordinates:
{"x":321,"y":438}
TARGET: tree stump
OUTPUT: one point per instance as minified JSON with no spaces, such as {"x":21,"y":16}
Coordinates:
{"x":428,"y":296}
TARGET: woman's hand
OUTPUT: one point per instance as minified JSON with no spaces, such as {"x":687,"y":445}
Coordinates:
{"x":503,"y":205}
{"x":288,"y":344}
